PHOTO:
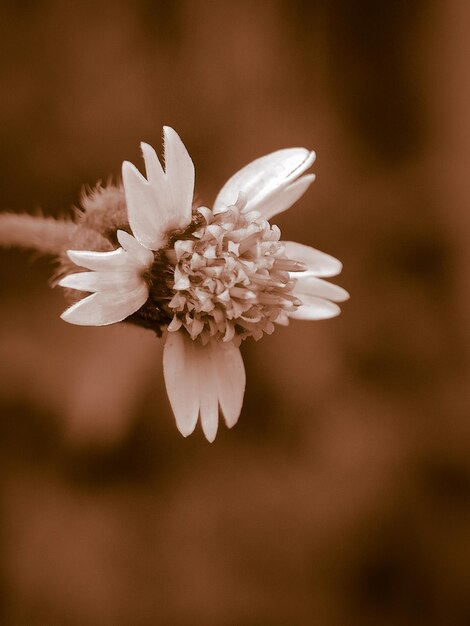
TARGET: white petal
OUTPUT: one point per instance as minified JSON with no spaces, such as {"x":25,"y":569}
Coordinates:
{"x":318,"y":263}
{"x":164,"y":201}
{"x":181,"y":372}
{"x":142,"y":256}
{"x":198,"y":378}
{"x":208,"y":399}
{"x":101,"y":309}
{"x":231,"y":380}
{"x":310,"y":285}
{"x":122,"y":282}
{"x":315,"y":308}
{"x":153,"y":167}
{"x":102,"y":261}
{"x":284,"y":199}
{"x":265,"y":177}
{"x":146,"y":209}
{"x":179,"y":170}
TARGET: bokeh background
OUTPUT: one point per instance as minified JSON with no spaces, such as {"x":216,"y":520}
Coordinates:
{"x":342,"y":497}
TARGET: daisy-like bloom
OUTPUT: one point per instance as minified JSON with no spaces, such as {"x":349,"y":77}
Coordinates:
{"x":207,"y":278}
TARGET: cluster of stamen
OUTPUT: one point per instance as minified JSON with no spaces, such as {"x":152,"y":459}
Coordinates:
{"x":231,"y":277}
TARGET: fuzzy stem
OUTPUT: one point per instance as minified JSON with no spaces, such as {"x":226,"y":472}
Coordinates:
{"x":43,"y":234}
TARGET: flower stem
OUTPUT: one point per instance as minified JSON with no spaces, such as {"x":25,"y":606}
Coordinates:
{"x":43,"y":234}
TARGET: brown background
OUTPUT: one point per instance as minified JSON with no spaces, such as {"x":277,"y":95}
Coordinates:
{"x":342,"y":497}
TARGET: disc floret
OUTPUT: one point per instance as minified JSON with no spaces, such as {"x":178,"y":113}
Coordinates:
{"x":231,"y":278}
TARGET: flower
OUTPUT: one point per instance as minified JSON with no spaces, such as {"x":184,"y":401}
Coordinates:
{"x":208,"y":278}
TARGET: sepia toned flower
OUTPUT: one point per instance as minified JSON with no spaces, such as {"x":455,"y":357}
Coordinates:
{"x":206,"y":278}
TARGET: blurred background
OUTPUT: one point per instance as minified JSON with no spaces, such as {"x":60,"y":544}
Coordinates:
{"x":342,"y":497}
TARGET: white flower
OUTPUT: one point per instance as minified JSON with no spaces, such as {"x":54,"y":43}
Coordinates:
{"x":210,"y":277}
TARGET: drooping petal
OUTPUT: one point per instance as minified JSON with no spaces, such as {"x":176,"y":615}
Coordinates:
{"x":318,"y":263}
{"x":198,"y":378}
{"x":231,"y":380}
{"x":285,"y":198}
{"x":163,"y":201}
{"x":310,"y":285}
{"x":265,"y":177}
{"x":113,"y":261}
{"x":101,"y":309}
{"x":314,"y":308}
{"x":122,"y":282}
{"x":208,"y":397}
{"x":181,"y":372}
{"x":142,"y":255}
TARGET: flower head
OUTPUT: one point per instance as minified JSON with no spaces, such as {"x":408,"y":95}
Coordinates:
{"x":206,"y":277}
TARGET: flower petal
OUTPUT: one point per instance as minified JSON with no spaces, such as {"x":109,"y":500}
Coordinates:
{"x":231,"y":380}
{"x":146,"y":213}
{"x":265,"y":177}
{"x":142,"y":256}
{"x":153,"y":167}
{"x":285,"y":198}
{"x":101,"y":309}
{"x":180,"y":176}
{"x":310,"y":285}
{"x":122,"y":282}
{"x":102,"y":261}
{"x":181,"y":372}
{"x":318,"y":263}
{"x":314,"y":308}
{"x":208,"y":399}
{"x":198,"y":378}
{"x":163,"y":202}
